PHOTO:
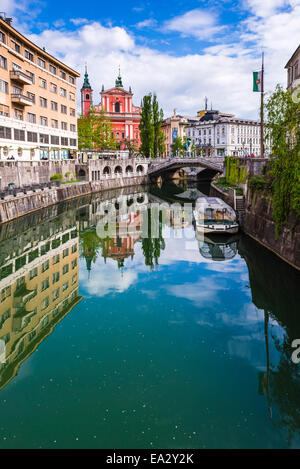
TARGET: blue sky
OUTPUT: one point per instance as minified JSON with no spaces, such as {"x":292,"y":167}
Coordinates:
{"x":182,"y":50}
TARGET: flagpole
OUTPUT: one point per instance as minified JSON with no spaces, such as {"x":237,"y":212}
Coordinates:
{"x":262,"y":108}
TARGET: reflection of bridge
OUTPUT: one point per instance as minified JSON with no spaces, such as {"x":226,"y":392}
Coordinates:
{"x":211,"y":166}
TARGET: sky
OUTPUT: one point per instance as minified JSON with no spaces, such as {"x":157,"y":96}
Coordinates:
{"x":181,"y":50}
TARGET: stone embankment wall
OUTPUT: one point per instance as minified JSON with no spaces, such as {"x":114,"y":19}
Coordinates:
{"x":24,"y":173}
{"x":260,"y":225}
{"x":23,"y":204}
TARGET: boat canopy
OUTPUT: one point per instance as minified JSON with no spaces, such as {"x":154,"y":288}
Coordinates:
{"x":214,"y":210}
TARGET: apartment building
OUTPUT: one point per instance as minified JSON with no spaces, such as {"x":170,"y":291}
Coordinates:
{"x":219,"y":134}
{"x":173,"y":127}
{"x":293,"y":68}
{"x":39,"y":284}
{"x":38,"y":103}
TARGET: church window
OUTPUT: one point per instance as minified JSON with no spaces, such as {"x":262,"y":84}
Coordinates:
{"x":87,"y":96}
{"x":117,"y":107}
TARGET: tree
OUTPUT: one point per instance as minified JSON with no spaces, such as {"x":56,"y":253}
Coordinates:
{"x":147,"y":127}
{"x":94,"y":132}
{"x":178,"y":147}
{"x":283,"y":115}
{"x":159,"y":146}
{"x":152,"y":137}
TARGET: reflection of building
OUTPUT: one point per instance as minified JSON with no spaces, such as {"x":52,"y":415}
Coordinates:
{"x":117,"y":105}
{"x":37,"y":289}
{"x":293,"y":68}
{"x":38,"y":110}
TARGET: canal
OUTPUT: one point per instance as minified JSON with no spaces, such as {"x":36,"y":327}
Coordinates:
{"x":117,"y":340}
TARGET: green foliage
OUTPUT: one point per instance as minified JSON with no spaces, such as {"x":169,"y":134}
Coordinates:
{"x":283,"y":117}
{"x":94,"y":132}
{"x":235,"y":172}
{"x":56,"y":177}
{"x":152,"y":137}
{"x":178,"y":147}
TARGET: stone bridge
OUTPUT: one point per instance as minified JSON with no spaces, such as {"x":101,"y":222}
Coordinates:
{"x":209,"y":167}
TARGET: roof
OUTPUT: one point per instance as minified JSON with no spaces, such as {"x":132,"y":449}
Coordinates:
{"x":32,"y":44}
{"x":293,"y":56}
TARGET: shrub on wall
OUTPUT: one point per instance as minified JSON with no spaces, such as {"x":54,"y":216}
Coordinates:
{"x":236,"y":173}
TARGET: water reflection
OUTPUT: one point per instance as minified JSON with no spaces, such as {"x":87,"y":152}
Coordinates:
{"x":229,"y":291}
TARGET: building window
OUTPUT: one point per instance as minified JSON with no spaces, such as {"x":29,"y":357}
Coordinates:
{"x":31,"y":117}
{"x":19,"y":134}
{"x":72,"y":112}
{"x":33,"y":273}
{"x":64,"y":141}
{"x":31,"y":76}
{"x":54,"y":140}
{"x":73,"y":142}
{"x":29,"y":55}
{"x":31,"y":96}
{"x":44,"y":138}
{"x":20,"y":152}
{"x":64,"y":126}
{"x":41,"y":62}
{"x":72,"y":80}
{"x":17,"y":90}
{"x":4,"y":86}
{"x":52,"y":69}
{"x":62,"y":75}
{"x":53,"y":88}
{"x":43,"y":102}
{"x":15,"y":46}
{"x":63,"y":109}
{"x":4,"y":110}
{"x":2,"y":37}
{"x":18,"y":114}
{"x":72,"y":127}
{"x":87,"y":96}
{"x":45,"y":284}
{"x":53,"y":106}
{"x":117,"y":107}
{"x":31,"y":136}
{"x":54,"y":124}
{"x":72,"y":96}
{"x":5,"y":132}
{"x":63,"y":92}
{"x":43,"y":83}
{"x":43,"y":120}
{"x":3,"y":62}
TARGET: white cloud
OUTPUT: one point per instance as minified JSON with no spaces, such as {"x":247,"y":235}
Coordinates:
{"x":198,"y":23}
{"x":223,"y":72}
{"x":149,"y":23}
{"x":79,"y":21}
{"x":266,"y":7}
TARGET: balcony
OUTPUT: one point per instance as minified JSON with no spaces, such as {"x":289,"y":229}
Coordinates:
{"x":21,"y":77}
{"x":21,"y":99}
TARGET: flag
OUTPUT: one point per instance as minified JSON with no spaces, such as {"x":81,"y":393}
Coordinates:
{"x":257,"y":81}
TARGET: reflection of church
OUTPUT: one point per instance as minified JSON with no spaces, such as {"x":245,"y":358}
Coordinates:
{"x":117,"y":105}
{"x":38,"y":286}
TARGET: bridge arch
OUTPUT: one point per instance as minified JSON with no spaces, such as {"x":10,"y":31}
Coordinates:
{"x":118,"y":170}
{"x":140,"y":168}
{"x":107,"y":170}
{"x":129,"y":169}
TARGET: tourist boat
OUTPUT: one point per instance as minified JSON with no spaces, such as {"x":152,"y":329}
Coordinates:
{"x":213,"y":215}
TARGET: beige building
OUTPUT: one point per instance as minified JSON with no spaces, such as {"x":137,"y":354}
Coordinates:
{"x":174,"y":127}
{"x":38,"y":103}
{"x":293,"y":68}
{"x":38,"y":287}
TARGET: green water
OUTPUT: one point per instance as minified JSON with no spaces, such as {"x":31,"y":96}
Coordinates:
{"x":172,"y":342}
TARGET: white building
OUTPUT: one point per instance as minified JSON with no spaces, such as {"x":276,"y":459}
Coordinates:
{"x":219,"y":134}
